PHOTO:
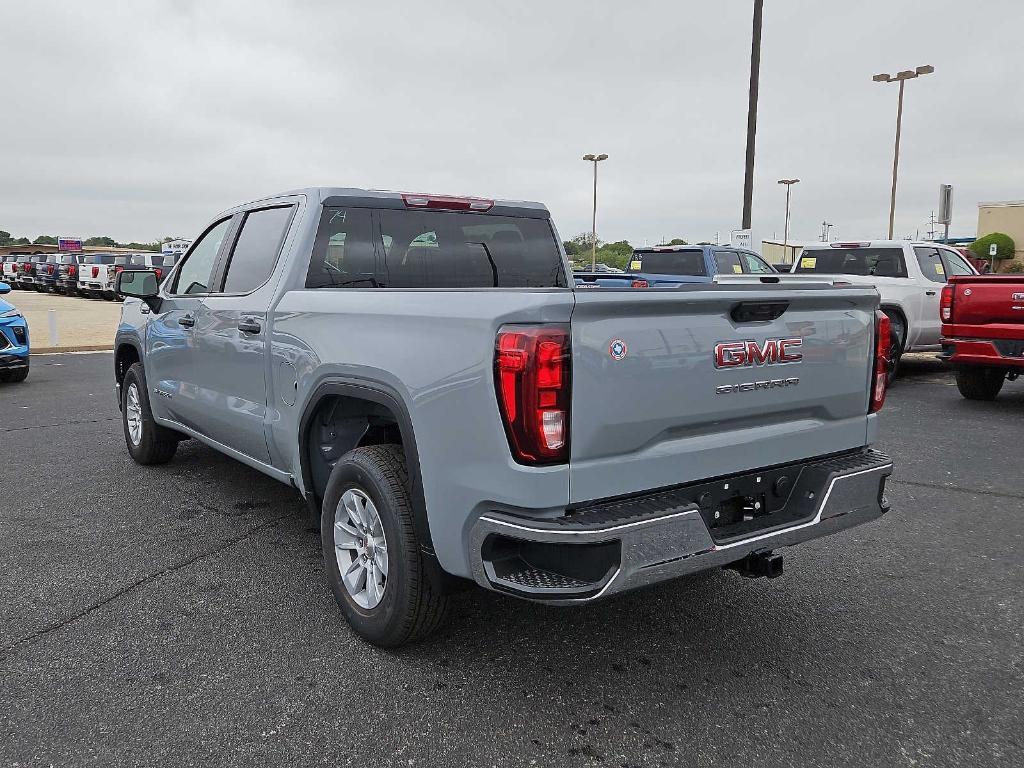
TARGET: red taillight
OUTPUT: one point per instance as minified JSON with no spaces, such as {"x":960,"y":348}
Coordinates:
{"x":118,"y":271}
{"x":72,"y":271}
{"x":640,"y":284}
{"x":159,"y":273}
{"x":447,"y":202}
{"x":532,"y":366}
{"x":946,"y":304}
{"x":50,"y":268}
{"x":880,"y":373}
{"x":95,"y":271}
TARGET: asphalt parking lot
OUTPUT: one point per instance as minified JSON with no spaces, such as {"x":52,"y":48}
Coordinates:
{"x":178,"y":616}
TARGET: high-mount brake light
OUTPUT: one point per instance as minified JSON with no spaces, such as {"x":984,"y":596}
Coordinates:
{"x":532,"y":371}
{"x":447,"y":202}
{"x":880,"y":372}
{"x":946,"y":303}
{"x":849,"y":245}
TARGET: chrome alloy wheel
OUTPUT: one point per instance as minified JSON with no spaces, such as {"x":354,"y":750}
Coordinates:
{"x":133,"y":415}
{"x":361,"y":548}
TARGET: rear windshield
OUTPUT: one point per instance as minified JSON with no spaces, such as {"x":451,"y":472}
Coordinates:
{"x":669,"y":262}
{"x":433,"y":249}
{"x":100,"y":258}
{"x":139,"y":260}
{"x":877,"y":262}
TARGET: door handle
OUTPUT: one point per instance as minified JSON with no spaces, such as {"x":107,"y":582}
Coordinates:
{"x":186,"y":321}
{"x":929,"y":293}
{"x":248,"y":325}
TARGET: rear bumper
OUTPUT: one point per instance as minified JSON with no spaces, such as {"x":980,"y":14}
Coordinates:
{"x":628,"y":543}
{"x":989,"y":353}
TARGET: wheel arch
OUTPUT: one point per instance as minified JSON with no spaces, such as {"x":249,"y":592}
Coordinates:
{"x":372,"y":400}
{"x":891,"y":308}
{"x":126,"y":354}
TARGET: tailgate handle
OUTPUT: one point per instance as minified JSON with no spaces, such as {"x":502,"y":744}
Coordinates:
{"x":758,"y":311}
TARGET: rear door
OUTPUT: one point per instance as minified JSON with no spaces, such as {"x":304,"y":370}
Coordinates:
{"x":656,"y":404}
{"x":230,"y":333}
{"x":933,"y":268}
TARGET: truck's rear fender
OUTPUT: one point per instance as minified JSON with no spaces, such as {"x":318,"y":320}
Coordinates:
{"x":432,"y":353}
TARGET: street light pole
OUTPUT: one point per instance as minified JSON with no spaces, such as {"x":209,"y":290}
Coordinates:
{"x":595,"y":159}
{"x":901,"y":78}
{"x":789,"y":183}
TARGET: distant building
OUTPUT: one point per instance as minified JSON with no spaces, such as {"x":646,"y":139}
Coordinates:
{"x":1006,"y":217}
{"x":175,"y":247}
{"x":777,"y":254}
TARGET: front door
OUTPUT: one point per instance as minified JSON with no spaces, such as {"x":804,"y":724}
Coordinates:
{"x":231,"y":356}
{"x":171,"y":333}
{"x":934,"y":271}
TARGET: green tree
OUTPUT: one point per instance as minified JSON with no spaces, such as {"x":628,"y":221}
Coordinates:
{"x":20,"y":241}
{"x":1003,"y":243}
{"x":105,"y":241}
{"x":45,"y":240}
{"x":5,"y":238}
{"x":677,"y":241}
{"x":571,"y":248}
{"x":143,"y":246}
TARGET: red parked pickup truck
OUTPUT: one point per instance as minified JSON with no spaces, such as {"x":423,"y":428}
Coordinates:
{"x":983,"y":331}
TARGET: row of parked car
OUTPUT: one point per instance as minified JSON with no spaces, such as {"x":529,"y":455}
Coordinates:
{"x":77,"y":274}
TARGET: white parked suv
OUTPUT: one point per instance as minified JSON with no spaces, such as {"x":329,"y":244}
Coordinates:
{"x":909,"y":276}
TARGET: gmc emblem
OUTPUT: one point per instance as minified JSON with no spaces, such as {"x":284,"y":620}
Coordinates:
{"x":734,"y":354}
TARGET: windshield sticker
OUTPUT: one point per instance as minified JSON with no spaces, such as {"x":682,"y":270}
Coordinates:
{"x":938,"y":270}
{"x":737,"y":269}
{"x":808,"y":262}
{"x":635,"y":264}
{"x":337,"y":215}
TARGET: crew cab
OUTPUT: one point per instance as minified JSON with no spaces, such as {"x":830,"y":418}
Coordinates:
{"x":97,"y":272}
{"x":423,"y":371}
{"x":66,"y":278}
{"x":908,"y":276}
{"x":983,"y":332}
{"x":668,"y":266}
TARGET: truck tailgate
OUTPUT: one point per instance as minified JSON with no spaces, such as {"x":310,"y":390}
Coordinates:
{"x":654,"y":406}
{"x":987,"y":306}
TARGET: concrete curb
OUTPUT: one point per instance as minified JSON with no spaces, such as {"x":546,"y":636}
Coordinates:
{"x":73,"y":348}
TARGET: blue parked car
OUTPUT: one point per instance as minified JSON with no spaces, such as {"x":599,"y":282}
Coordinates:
{"x":669,"y":266}
{"x":13,"y":341}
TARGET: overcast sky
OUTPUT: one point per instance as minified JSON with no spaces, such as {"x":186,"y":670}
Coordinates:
{"x":143,"y":119}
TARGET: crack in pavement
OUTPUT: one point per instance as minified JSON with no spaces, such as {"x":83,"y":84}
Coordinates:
{"x":62,"y":424}
{"x":4,"y":652}
{"x":939,"y":487}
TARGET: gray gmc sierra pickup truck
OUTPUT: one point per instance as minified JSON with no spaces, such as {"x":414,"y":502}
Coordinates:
{"x":423,"y":371}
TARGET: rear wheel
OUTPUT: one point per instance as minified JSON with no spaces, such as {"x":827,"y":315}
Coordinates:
{"x":147,"y":441}
{"x":371,"y":553}
{"x":897,"y":341}
{"x":980,"y":383}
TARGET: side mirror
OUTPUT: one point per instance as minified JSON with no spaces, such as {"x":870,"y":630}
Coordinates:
{"x":140,"y":284}
{"x":4,"y":288}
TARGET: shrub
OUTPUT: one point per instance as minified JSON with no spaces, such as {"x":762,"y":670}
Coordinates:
{"x":1004,"y":246}
{"x":1014,"y":267}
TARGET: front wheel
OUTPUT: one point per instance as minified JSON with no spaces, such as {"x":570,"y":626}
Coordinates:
{"x":147,"y":441}
{"x":980,"y":383}
{"x":371,"y":554}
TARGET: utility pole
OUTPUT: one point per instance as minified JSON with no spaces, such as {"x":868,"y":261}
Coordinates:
{"x":901,"y":78}
{"x":789,"y":183}
{"x":755,"y":70}
{"x":825,"y":227}
{"x":595,"y":159}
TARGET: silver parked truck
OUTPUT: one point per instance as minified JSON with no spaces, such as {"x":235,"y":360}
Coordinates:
{"x":423,"y":371}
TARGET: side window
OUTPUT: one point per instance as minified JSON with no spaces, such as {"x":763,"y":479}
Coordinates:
{"x":194,"y":275}
{"x":727,"y":263}
{"x":253,"y":258}
{"x":343,"y":255}
{"x":956,"y":264}
{"x":755,"y":264}
{"x":931,"y":264}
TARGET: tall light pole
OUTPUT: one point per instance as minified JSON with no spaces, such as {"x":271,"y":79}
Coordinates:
{"x":595,"y":159}
{"x":755,"y":70}
{"x":901,"y":78}
{"x":789,"y":183}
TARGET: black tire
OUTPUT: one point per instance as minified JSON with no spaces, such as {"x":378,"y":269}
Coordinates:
{"x":980,"y":383}
{"x":897,"y":342}
{"x":410,"y":607}
{"x":14,"y":377}
{"x":156,"y":444}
